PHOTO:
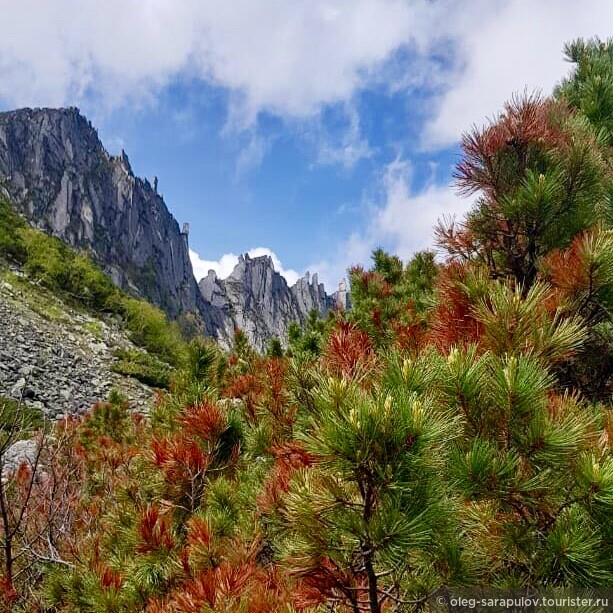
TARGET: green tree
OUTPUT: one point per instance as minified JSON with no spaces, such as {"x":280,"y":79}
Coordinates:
{"x":392,"y":297}
{"x":274,"y":348}
{"x":590,"y":86}
{"x":537,"y":489}
{"x":583,"y":278}
{"x":365,"y":523}
{"x":306,"y":341}
{"x":532,"y":514}
{"x":11,"y":247}
{"x":243,"y":353}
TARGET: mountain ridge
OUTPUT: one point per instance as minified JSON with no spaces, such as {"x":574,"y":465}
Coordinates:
{"x":62,"y":180}
{"x":260,"y":301}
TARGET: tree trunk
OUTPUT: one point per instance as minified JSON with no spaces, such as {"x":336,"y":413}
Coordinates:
{"x":373,"y":592}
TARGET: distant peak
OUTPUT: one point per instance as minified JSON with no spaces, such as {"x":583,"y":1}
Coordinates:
{"x":69,"y":117}
{"x":255,"y":260}
{"x":308,"y":279}
{"x":38,"y":110}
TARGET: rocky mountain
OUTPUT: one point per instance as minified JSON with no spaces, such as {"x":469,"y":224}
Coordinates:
{"x":62,"y":179}
{"x":259,"y":301}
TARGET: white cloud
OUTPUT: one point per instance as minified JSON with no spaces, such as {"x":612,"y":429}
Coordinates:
{"x":224,"y":266}
{"x":252,"y":152}
{"x":405,"y":222}
{"x":291,"y":57}
{"x":510,"y":46}
{"x":53,"y":52}
{"x":355,"y":250}
{"x":283,"y":56}
{"x":402,"y":222}
{"x":286,"y":57}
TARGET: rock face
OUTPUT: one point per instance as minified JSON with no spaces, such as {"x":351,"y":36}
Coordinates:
{"x":63,"y":181}
{"x":258,"y":300}
{"x":18,"y":453}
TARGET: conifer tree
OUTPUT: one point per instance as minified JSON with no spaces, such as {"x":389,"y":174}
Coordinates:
{"x":540,"y":175}
{"x":582,"y":276}
{"x":390,"y":300}
{"x":306,"y":341}
{"x":366,"y":521}
{"x":590,"y":86}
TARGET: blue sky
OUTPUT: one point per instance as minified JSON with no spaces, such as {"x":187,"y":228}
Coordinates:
{"x":314,"y":131}
{"x":299,"y":197}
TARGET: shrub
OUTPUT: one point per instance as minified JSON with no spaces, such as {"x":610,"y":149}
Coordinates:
{"x":10,"y":222}
{"x":149,"y":327}
{"x":205,"y":362}
{"x":18,"y":417}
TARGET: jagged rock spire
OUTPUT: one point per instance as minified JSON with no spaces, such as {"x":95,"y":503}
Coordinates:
{"x":259,"y":301}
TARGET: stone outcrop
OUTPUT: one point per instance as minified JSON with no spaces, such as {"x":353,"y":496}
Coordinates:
{"x":64,"y":182}
{"x":258,"y":300}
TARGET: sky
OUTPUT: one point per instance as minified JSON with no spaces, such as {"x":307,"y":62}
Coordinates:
{"x":310,"y":130}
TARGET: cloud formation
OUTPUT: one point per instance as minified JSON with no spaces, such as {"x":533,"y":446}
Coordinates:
{"x":291,"y":58}
{"x":401,"y":221}
{"x":508,"y":47}
{"x":286,"y":57}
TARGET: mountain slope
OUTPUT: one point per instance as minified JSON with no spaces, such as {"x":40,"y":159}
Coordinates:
{"x":63,"y":181}
{"x":55,"y":358}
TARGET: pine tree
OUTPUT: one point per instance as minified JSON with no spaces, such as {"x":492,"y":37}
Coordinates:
{"x":368,"y":523}
{"x":523,"y":460}
{"x":582,"y":276}
{"x":540,"y":173}
{"x":390,"y":301}
{"x":590,"y":86}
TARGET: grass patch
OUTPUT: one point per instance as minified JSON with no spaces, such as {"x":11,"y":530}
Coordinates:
{"x":37,"y":298}
{"x":142,"y":366}
{"x":95,"y":329}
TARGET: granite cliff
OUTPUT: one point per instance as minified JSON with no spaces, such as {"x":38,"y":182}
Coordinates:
{"x":62,"y":179}
{"x":259,"y":301}
{"x":64,"y":182}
